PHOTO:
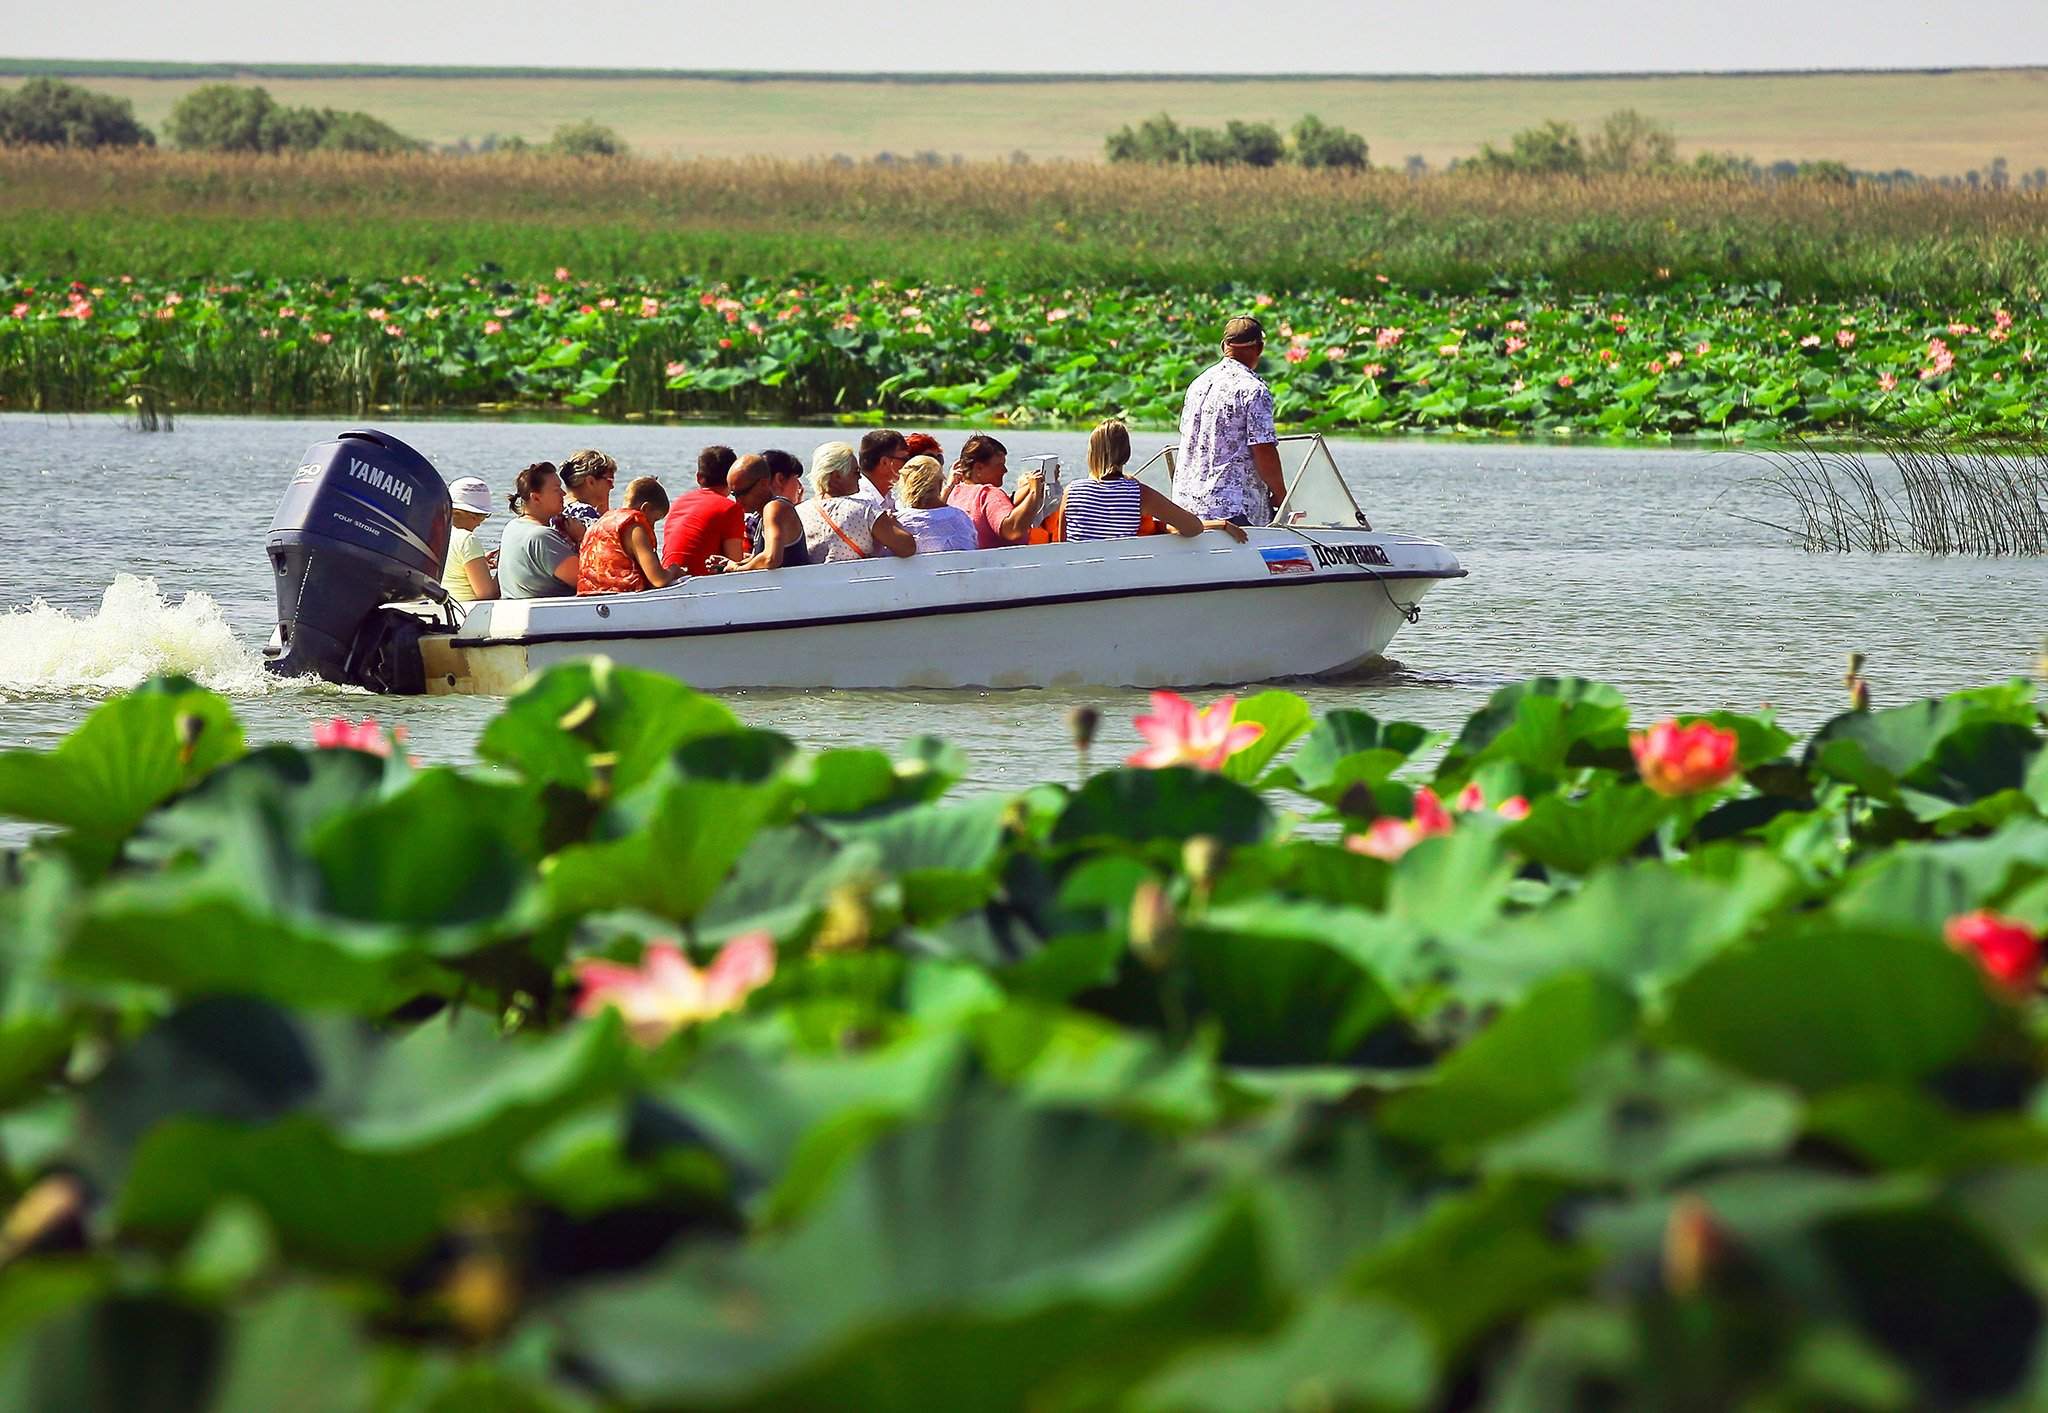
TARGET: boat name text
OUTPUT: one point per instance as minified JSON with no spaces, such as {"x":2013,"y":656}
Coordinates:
{"x":1327,"y":555}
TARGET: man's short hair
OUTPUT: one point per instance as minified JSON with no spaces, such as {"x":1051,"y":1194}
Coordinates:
{"x":878,"y":444}
{"x":712,"y":464}
{"x":1244,"y":329}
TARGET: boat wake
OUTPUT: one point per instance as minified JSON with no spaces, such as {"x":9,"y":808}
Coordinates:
{"x":135,"y":634}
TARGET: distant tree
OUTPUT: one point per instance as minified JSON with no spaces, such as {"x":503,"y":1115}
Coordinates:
{"x":1317,"y":144}
{"x":1629,"y":142}
{"x":359,"y":132}
{"x":1417,"y":165}
{"x":1552,"y":149}
{"x":295,"y":129}
{"x":2001,"y":176}
{"x":222,"y":117}
{"x":1158,"y":139}
{"x":2041,"y":178}
{"x":1834,"y":174}
{"x":511,"y":142}
{"x":1255,"y":144}
{"x":1724,"y":166}
{"x":586,"y":139}
{"x":46,"y":112}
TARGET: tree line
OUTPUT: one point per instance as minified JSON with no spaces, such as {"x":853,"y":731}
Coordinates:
{"x":1311,"y":143}
{"x":226,"y":117}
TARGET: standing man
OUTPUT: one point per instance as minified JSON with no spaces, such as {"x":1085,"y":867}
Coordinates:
{"x":1229,"y":466}
{"x":882,"y":454}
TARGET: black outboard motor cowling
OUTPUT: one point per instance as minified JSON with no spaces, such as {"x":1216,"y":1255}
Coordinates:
{"x":364,"y":523}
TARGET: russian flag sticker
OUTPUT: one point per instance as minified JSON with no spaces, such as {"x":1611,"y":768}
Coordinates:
{"x":1288,"y":559}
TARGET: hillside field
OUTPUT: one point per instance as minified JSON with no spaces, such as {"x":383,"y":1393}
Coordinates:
{"x":1936,"y":123}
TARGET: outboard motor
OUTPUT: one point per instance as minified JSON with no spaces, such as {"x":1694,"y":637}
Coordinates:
{"x":363,"y":524}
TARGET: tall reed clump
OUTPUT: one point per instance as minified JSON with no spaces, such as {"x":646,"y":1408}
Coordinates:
{"x":1985,"y":495}
{"x":175,"y":213}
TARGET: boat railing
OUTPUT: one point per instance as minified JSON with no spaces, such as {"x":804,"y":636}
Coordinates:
{"x":1316,"y":493}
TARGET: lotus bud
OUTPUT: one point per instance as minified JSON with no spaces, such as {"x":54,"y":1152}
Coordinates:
{"x":1859,"y":694}
{"x":602,"y":766}
{"x":849,"y":921}
{"x":481,"y":1295}
{"x":1083,"y":721}
{"x":1694,"y":1246}
{"x":47,"y":1206}
{"x":1855,"y":670}
{"x":578,"y":716}
{"x":1154,"y":926}
{"x":2041,"y":666}
{"x":1202,"y":859}
{"x":191,"y":726}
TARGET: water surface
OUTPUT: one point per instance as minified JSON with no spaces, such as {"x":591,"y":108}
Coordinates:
{"x":131,"y":553}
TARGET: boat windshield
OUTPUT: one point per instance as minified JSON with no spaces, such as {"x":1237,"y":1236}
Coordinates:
{"x":1316,"y":493}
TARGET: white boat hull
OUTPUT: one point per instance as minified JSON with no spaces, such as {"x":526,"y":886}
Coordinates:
{"x":1153,"y":612}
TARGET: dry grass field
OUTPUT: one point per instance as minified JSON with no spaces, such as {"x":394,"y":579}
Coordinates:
{"x":1933,"y":123}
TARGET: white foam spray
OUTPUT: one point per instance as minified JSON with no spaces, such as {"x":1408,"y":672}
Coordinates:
{"x":136,"y":634}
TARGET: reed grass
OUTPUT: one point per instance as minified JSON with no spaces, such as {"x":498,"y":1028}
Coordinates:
{"x":182,"y":214}
{"x":1980,"y":495}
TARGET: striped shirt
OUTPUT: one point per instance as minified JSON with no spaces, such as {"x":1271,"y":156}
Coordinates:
{"x":1102,"y":510}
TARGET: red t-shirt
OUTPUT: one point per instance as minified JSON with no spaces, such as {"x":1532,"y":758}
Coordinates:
{"x":699,"y":523}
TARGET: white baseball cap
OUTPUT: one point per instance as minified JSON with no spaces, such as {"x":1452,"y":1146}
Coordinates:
{"x":471,"y":493}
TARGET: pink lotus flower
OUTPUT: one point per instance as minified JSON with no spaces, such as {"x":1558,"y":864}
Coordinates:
{"x":1517,"y":385}
{"x":543,"y":298}
{"x":1941,"y":360}
{"x":376,"y":315}
{"x":1683,"y":760}
{"x":1388,"y":338}
{"x":2001,"y":318}
{"x":1373,"y":370}
{"x":1515,"y":346}
{"x":677,"y":369}
{"x":1845,"y":338}
{"x":1674,"y":358}
{"x":1999,"y":335}
{"x":1054,"y":316}
{"x":492,"y":326}
{"x":1517,"y":326}
{"x":649,"y":307}
{"x":725,"y":343}
{"x":911,"y":312}
{"x":1702,"y":347}
{"x":1607,"y":355}
{"x":981,"y":326}
{"x":1810,"y":341}
{"x":1389,"y":838}
{"x":1263,"y":301}
{"x":396,"y":331}
{"x":341,"y":734}
{"x":1180,"y":733}
{"x":561,"y":272}
{"x":1449,"y":350}
{"x":323,"y":338}
{"x":2004,"y":947}
{"x":1657,"y":365}
{"x":1381,"y":278}
{"x":707,"y":300}
{"x":1336,"y":351}
{"x":174,"y":298}
{"x":1472,"y":798}
{"x":1886,"y":381}
{"x":1296,"y":353}
{"x":1621,"y":326}
{"x":666,"y":993}
{"x":847,"y":321}
{"x":21,"y":310}
{"x":1564,"y":380}
{"x":287,"y":312}
{"x":1956,"y":331}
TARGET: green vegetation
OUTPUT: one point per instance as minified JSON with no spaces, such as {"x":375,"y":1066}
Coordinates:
{"x":223,"y":117}
{"x":1576,"y":1063}
{"x":1685,"y":358}
{"x":46,"y":113}
{"x":1161,"y":140}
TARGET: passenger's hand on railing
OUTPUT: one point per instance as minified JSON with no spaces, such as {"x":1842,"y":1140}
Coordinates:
{"x":1235,"y":531}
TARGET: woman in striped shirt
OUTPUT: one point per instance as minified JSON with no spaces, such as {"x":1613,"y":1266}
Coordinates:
{"x":1110,"y":504}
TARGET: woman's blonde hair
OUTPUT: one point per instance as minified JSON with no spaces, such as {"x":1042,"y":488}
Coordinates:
{"x":829,"y":463}
{"x":584,"y":464}
{"x":920,"y":484}
{"x":1109,"y":449}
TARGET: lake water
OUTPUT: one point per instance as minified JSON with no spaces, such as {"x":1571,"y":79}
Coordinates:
{"x":129,"y":554}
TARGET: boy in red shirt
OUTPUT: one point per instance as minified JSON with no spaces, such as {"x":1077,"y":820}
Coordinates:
{"x":705,"y":521}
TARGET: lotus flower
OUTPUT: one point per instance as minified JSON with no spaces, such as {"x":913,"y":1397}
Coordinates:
{"x":341,"y":734}
{"x":665,"y":992}
{"x":2004,"y":947}
{"x":1181,"y":733}
{"x":1683,"y":760}
{"x":1472,"y":799}
{"x":1389,"y":838}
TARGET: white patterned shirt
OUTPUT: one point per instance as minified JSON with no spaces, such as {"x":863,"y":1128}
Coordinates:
{"x":1229,"y":410}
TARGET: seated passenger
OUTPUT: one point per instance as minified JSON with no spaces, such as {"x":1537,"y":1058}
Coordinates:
{"x":468,"y":575}
{"x":935,"y":525}
{"x":882,"y":454}
{"x":977,"y":488}
{"x":587,"y":478}
{"x":767,"y":487}
{"x":704,"y":522}
{"x":1111,"y":504}
{"x":618,"y":551}
{"x":535,"y":560}
{"x":838,"y":524}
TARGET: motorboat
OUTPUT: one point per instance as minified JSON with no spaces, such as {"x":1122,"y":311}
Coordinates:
{"x":361,"y":536}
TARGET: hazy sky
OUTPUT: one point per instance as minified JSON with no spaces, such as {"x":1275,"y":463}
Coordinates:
{"x":1156,"y":36}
